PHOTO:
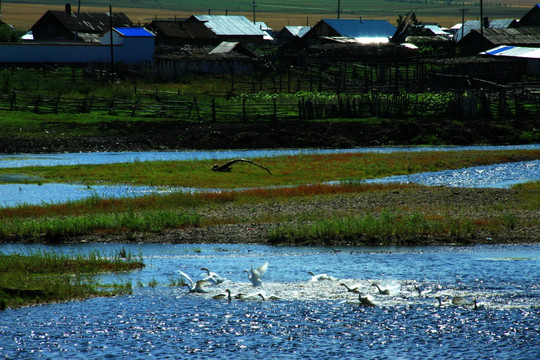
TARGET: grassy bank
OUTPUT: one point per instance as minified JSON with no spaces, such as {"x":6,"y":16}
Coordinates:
{"x":37,"y":277}
{"x":404,"y":213}
{"x":285,"y":170}
{"x":312,"y":214}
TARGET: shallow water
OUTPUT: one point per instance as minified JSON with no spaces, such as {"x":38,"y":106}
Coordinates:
{"x":492,"y":176}
{"x":311,"y":319}
{"x":22,"y":160}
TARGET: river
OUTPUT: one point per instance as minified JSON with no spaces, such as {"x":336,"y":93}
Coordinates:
{"x":311,"y":319}
{"x":15,"y":193}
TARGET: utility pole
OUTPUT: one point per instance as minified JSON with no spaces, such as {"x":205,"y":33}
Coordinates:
{"x":338,"y":8}
{"x":77,"y":24}
{"x":463,"y":11}
{"x":253,"y":6}
{"x":112,"y":47}
{"x":482,"y":18}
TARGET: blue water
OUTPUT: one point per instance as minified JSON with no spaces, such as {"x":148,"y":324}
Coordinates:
{"x":23,"y":160}
{"x":312,"y":319}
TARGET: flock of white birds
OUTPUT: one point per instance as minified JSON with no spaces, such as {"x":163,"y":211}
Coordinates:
{"x":321,"y":287}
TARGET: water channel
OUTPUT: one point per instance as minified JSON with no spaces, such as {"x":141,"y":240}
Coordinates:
{"x":310,"y":319}
{"x":500,"y":175}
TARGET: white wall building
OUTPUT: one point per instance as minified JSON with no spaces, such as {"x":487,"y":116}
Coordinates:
{"x":130,"y":45}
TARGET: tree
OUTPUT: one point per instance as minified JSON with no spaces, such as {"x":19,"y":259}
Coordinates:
{"x":9,"y":34}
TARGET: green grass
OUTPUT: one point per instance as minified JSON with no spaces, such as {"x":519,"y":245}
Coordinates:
{"x":287,"y":170}
{"x":39,"y":276}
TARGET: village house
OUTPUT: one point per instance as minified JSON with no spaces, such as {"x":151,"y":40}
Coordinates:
{"x":350,"y":31}
{"x":475,"y":42}
{"x":182,"y":32}
{"x":58,"y":25}
{"x":229,"y":57}
{"x":232,"y":28}
{"x":289,"y":33}
{"x":526,"y":58}
{"x":131,"y":45}
{"x":470,"y":25}
{"x":269,"y":36}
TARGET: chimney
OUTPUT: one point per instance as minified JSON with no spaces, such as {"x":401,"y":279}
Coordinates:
{"x":68,"y":8}
{"x":486,"y":22}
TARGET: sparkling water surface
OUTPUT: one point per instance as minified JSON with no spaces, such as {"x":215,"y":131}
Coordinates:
{"x":311,"y":319}
{"x":492,"y":176}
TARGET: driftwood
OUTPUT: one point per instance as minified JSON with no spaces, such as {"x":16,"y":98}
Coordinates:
{"x":227,"y":166}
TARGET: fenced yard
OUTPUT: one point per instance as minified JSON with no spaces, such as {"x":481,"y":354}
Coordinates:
{"x":466,"y":105}
{"x":318,"y":90}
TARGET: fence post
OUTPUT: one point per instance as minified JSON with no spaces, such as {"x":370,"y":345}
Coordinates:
{"x":214,"y":110}
{"x":90,"y":104}
{"x":111,"y":106}
{"x":56,"y":105}
{"x":275,"y":109}
{"x":197,"y":108}
{"x":289,"y":79}
{"x":244,"y":109}
{"x":13,"y":102}
{"x":36,"y":107}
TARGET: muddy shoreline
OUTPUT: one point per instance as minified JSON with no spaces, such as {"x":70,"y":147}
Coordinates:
{"x":171,"y":135}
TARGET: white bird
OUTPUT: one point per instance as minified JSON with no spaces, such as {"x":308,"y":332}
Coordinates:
{"x":461,"y":301}
{"x":320,"y":277}
{"x":381,"y":291}
{"x":221,"y":296}
{"x":456,"y":301}
{"x":366,"y":300}
{"x":194,"y":287}
{"x":251,"y":296}
{"x":354,"y":288}
{"x":255,"y":275}
{"x":269,"y":297}
{"x":212,"y":277}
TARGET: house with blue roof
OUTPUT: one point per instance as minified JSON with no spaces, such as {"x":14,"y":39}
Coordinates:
{"x":354,"y":30}
{"x":137,"y":43}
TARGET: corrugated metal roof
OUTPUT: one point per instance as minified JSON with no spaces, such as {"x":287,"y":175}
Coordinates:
{"x":436,"y":29}
{"x":95,"y":22}
{"x":181,"y":29}
{"x":475,"y":24}
{"x":298,"y":30}
{"x":262,"y":25}
{"x":513,"y":36}
{"x":229,"y":25}
{"x":224,"y":47}
{"x":133,"y":31}
{"x":514,"y":51}
{"x":362,"y":28}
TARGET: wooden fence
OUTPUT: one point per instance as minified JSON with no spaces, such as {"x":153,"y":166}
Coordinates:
{"x":459,"y":105}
